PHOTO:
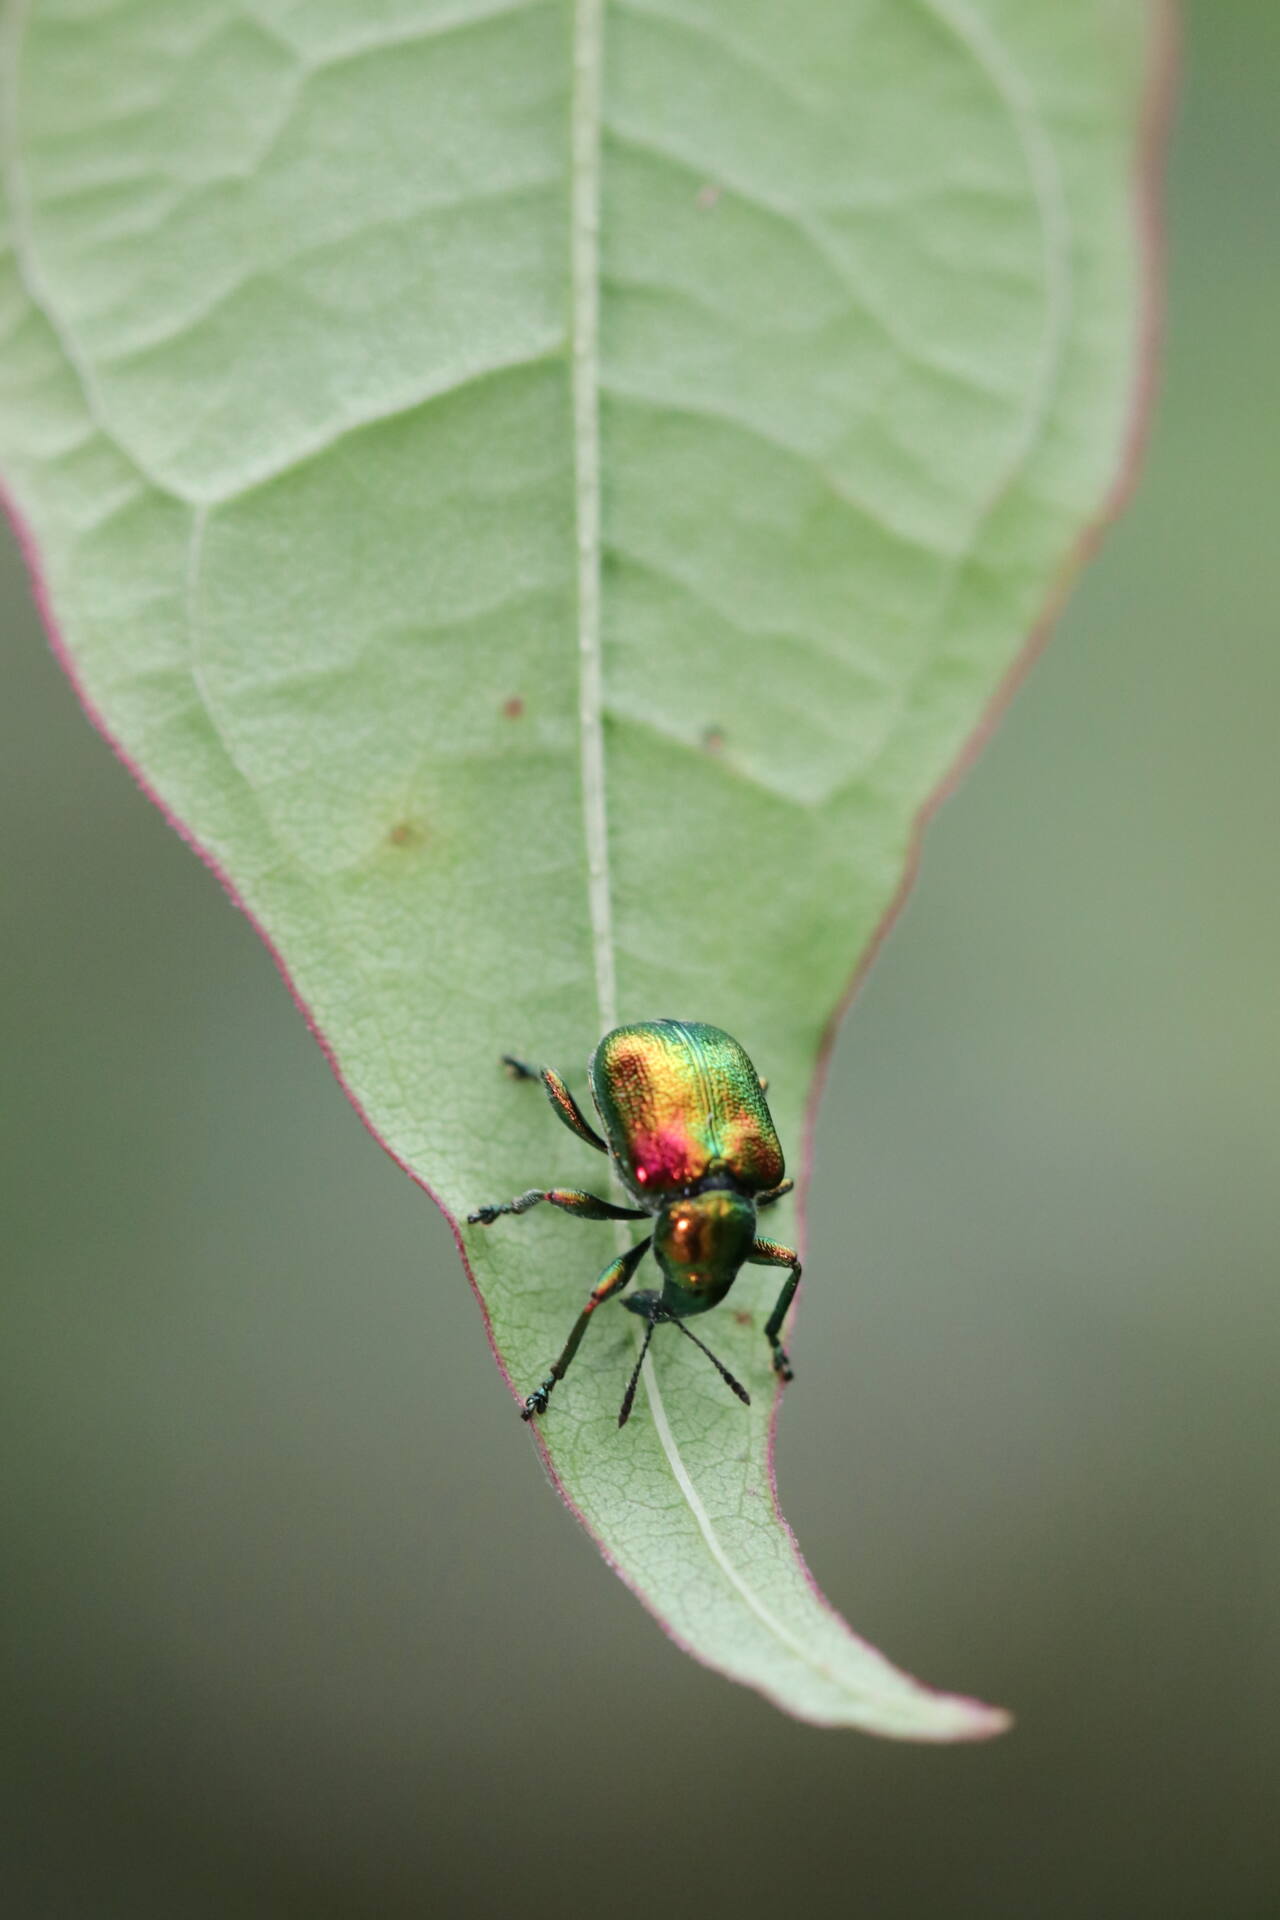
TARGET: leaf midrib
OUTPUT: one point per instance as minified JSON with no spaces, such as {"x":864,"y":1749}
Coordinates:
{"x":585,"y":152}
{"x":588,"y":60}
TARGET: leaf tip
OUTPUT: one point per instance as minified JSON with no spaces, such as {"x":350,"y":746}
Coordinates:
{"x":985,"y":1723}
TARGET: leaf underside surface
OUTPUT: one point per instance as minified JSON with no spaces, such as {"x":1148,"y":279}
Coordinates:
{"x":543,"y":494}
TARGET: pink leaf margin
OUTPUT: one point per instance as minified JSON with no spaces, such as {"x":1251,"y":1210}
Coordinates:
{"x":981,"y":1722}
{"x":1148,"y":217}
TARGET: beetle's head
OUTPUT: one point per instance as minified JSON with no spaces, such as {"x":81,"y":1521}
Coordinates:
{"x":700,"y":1242}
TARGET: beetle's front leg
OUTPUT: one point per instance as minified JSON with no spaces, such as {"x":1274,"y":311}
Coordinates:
{"x":768,"y":1253}
{"x":611,"y":1281}
{"x":775,"y":1194}
{"x":587,"y":1206}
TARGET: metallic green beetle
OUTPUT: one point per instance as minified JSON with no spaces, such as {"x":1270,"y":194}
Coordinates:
{"x":688,"y":1130}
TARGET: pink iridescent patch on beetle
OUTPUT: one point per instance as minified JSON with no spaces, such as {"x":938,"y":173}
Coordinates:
{"x":668,"y":1157}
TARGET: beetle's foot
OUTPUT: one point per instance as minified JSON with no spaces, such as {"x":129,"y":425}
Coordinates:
{"x":781,"y":1365}
{"x":483,"y":1216}
{"x":537,"y":1400}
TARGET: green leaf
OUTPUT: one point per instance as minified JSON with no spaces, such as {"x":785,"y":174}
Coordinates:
{"x":543,"y":494}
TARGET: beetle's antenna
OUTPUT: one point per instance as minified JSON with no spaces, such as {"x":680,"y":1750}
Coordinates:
{"x":734,"y":1385}
{"x":630,"y":1394}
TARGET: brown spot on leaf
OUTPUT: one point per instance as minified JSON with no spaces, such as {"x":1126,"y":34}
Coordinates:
{"x":406,"y":833}
{"x":513,"y":707}
{"x":707,"y":195}
{"x":713,"y":739}
{"x":742,"y":1317}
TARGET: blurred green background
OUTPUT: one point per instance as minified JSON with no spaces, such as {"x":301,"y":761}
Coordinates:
{"x":296,"y":1626}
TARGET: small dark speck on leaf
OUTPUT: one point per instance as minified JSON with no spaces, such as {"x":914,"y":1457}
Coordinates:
{"x":713,"y":740}
{"x":742,"y":1317}
{"x":406,"y":833}
{"x":513,"y":707}
{"x":707,"y":196}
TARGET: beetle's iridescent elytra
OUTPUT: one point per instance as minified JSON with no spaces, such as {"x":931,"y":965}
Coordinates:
{"x":689,"y":1131}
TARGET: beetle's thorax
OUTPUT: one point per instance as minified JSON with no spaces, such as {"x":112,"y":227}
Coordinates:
{"x":700,"y":1240}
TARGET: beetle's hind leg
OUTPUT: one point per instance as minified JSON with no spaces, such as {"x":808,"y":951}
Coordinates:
{"x":768,"y":1253}
{"x":778,"y":1193}
{"x":562,"y":1101}
{"x":611,"y":1281}
{"x":587,"y":1206}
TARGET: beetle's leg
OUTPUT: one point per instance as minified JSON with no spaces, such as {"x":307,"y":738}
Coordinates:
{"x":561,"y":1099}
{"x":776,"y":1193}
{"x":611,"y":1281}
{"x":768,"y":1253}
{"x":587,"y":1206}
